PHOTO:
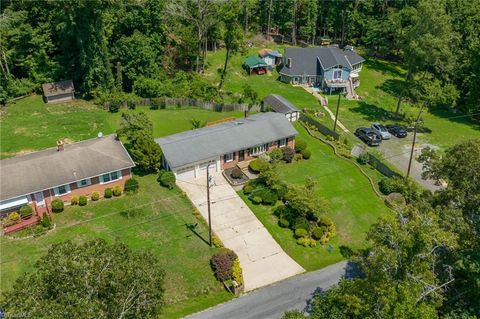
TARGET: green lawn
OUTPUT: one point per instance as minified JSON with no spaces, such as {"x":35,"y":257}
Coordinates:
{"x":30,"y":124}
{"x":352,"y":204}
{"x":160,"y":227}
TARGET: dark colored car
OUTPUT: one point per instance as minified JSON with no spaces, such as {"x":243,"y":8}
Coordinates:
{"x":368,"y":136}
{"x":397,"y":131}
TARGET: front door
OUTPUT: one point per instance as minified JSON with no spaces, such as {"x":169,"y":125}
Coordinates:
{"x":39,"y":199}
{"x":241,"y":155}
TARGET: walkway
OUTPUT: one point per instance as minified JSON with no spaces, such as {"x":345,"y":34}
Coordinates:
{"x":263,"y":260}
{"x":271,"y":302}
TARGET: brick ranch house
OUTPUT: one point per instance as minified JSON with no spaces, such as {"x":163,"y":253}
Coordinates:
{"x":223,"y":146}
{"x":61,"y":172}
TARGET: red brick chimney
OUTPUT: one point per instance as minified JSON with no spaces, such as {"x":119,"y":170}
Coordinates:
{"x":60,"y":145}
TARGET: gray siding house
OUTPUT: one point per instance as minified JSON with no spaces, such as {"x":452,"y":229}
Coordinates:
{"x":330,"y":68}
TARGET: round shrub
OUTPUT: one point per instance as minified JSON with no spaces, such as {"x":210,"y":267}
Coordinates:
{"x":276,"y":155}
{"x":166,"y":179}
{"x":325,"y":221}
{"x":236,"y":173}
{"x":222,"y":263}
{"x":82,"y":200}
{"x":95,"y":196}
{"x":317,"y":233}
{"x":256,"y":199}
{"x":391,"y":185}
{"x":258,"y":165}
{"x":131,"y":186}
{"x":25,"y":211}
{"x":306,"y":242}
{"x":247,"y":189}
{"x":57,"y":205}
{"x":74,"y":200}
{"x":288,"y":154}
{"x":297,"y":157}
{"x":306,"y":153}
{"x":300,"y":232}
{"x":107,"y":193}
{"x":300,"y":146}
{"x":14,"y":217}
{"x":117,"y":191}
{"x":283,"y":222}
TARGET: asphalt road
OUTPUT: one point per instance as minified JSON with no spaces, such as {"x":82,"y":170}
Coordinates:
{"x":271,"y":302}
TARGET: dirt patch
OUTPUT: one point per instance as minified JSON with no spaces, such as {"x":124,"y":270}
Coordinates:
{"x":19,"y":130}
{"x":68,"y":140}
{"x":22,"y":152}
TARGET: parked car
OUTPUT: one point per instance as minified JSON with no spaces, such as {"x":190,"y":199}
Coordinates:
{"x":368,"y":136}
{"x":397,"y":131}
{"x":381,"y":130}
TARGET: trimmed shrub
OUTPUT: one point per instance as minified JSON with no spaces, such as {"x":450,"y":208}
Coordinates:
{"x":131,"y":186}
{"x":107,"y":193}
{"x":95,"y":196}
{"x":247,"y":189}
{"x":117,"y":191}
{"x":14,"y":217}
{"x":306,"y":242}
{"x":258,"y":165}
{"x":222,"y":264}
{"x":237,"y":273}
{"x":325,"y":221}
{"x":317,"y":233}
{"x":25,"y":211}
{"x":297,"y":157}
{"x":300,"y":232}
{"x":283,"y":222}
{"x":236,"y":173}
{"x":82,"y":200}
{"x":256,"y":199}
{"x":74,"y":200}
{"x":288,"y":154}
{"x":300,"y":146}
{"x":57,"y":205}
{"x":166,"y":179}
{"x":391,"y":185}
{"x":46,"y":222}
{"x":276,"y":155}
{"x":306,"y":153}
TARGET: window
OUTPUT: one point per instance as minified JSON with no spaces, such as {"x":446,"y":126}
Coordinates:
{"x":228,"y":157}
{"x":110,"y":177}
{"x":258,"y":149}
{"x":337,"y":74}
{"x":84,"y":182}
{"x":282,"y":142}
{"x":61,"y":190}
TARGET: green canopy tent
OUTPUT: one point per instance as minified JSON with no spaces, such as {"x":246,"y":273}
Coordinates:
{"x":256,"y":65}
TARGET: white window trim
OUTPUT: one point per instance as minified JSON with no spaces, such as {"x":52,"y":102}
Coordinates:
{"x":89,"y":182}
{"x":57,"y":193}
{"x":228,"y":157}
{"x":333,"y":75}
{"x":261,"y":149}
{"x":283,"y":142}
{"x":119,"y":173}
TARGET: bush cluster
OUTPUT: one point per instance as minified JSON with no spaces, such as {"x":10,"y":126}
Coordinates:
{"x":117,"y":191}
{"x":267,"y":196}
{"x":300,"y":145}
{"x":306,"y":242}
{"x":364,"y":158}
{"x":300,"y":232}
{"x":247,"y":189}
{"x":131,"y":186}
{"x":57,"y":205}
{"x":391,"y":185}
{"x":288,"y":154}
{"x":258,"y":165}
{"x":237,"y":273}
{"x":166,"y":179}
{"x":95,"y":196}
{"x":82,"y":200}
{"x":107,"y":193}
{"x":26,"y":211}
{"x":222,"y":263}
{"x":276,"y":155}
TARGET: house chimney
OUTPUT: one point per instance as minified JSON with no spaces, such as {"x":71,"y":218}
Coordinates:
{"x":289,"y":63}
{"x":60,"y":145}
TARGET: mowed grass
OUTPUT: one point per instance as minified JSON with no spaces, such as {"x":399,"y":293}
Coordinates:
{"x":160,"y":226}
{"x":352,"y":204}
{"x":30,"y":124}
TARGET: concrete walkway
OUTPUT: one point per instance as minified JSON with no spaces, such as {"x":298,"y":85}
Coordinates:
{"x":263,"y":261}
{"x":271,"y":302}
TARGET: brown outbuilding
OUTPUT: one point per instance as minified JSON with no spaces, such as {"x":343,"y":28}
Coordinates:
{"x":55,"y":92}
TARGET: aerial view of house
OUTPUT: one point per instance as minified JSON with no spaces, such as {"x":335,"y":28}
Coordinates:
{"x":62,"y":172}
{"x":271,"y":57}
{"x":224,"y":145}
{"x":329,"y":68}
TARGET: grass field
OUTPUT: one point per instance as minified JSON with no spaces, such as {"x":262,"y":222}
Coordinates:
{"x":30,"y":124}
{"x":352,"y":204}
{"x":379,"y":82}
{"x":160,"y":226}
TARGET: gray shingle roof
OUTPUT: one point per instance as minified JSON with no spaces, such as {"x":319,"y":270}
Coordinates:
{"x":308,"y":60}
{"x":49,"y":168}
{"x":280,"y":104}
{"x":211,"y":141}
{"x":56,"y":88}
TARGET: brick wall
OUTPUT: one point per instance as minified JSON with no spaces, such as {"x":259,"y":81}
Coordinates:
{"x":247,"y":156}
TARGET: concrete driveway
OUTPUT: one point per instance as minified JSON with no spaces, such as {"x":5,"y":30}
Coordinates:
{"x":263,"y":260}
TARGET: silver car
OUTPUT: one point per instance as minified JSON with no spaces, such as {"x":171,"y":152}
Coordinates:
{"x":381,"y":130}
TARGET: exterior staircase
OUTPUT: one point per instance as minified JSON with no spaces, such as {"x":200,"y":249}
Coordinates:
{"x":351,"y":95}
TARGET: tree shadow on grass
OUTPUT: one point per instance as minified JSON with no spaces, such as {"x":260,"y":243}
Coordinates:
{"x":458,"y":117}
{"x":193,"y":229}
{"x":372,"y":113}
{"x":394,"y":87}
{"x":383,"y":66}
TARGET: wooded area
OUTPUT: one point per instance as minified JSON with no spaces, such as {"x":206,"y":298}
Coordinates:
{"x":151,"y":47}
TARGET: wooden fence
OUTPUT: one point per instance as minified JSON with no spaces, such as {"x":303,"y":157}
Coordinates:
{"x":320,"y":127}
{"x":163,"y":102}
